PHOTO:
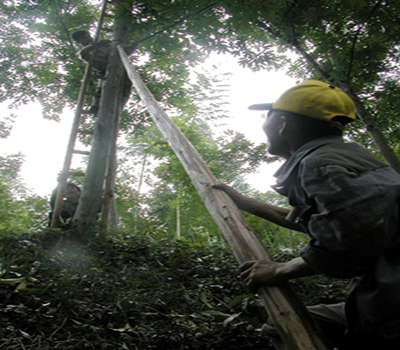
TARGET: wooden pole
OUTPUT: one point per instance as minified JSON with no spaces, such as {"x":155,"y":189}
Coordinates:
{"x":295,"y":326}
{"x":110,"y":176}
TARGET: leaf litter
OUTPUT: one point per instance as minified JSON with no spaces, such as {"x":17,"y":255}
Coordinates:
{"x":134,"y":294}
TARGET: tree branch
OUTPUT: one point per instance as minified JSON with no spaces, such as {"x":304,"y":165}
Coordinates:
{"x":295,"y":44}
{"x":64,"y":27}
{"x":352,"y":51}
{"x":366,"y":117}
{"x":175,"y":23}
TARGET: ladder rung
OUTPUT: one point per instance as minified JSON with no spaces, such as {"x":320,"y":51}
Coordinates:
{"x":88,"y":111}
{"x":76,"y":173}
{"x":86,"y":153}
{"x":98,"y":76}
{"x":85,"y":132}
{"x":92,"y":93}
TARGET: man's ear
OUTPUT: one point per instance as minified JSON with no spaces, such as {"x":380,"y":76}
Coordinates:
{"x":286,"y":125}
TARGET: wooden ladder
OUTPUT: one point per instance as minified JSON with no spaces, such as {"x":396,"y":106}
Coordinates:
{"x":75,"y":131}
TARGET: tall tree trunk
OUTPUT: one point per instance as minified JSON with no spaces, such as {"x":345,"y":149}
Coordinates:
{"x":110,"y":108}
{"x":112,"y":218}
{"x":113,"y":215}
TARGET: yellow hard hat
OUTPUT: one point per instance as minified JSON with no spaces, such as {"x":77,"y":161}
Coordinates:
{"x":314,"y":99}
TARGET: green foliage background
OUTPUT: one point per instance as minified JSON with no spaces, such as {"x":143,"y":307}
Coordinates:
{"x":355,"y":44}
{"x":147,"y":287}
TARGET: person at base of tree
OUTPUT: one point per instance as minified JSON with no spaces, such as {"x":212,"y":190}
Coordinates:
{"x":71,"y":198}
{"x":347,"y":201}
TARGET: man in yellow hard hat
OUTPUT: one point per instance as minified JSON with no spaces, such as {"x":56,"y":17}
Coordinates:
{"x":347,"y":201}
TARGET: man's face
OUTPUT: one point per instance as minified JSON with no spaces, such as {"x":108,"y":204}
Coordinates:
{"x":277,"y":144}
{"x":84,"y":39}
{"x":72,"y":193}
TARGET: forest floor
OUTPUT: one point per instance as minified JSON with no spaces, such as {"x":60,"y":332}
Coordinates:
{"x":133,"y":294}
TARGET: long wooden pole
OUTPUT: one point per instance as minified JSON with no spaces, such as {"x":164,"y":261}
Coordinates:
{"x":295,"y":326}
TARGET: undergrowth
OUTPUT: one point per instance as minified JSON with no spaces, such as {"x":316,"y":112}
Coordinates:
{"x":136,"y":294}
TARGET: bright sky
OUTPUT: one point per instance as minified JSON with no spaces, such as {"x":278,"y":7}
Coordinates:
{"x":44,"y":142}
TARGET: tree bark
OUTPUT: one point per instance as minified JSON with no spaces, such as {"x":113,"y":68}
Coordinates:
{"x":109,"y":218}
{"x":373,"y":130}
{"x":296,"y":328}
{"x":110,"y":108}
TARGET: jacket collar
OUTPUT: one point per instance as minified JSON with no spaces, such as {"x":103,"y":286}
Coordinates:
{"x":287,"y":169}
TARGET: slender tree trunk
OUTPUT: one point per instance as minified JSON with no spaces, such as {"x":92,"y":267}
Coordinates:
{"x":178,"y":221}
{"x":139,"y":189}
{"x":113,"y":216}
{"x":110,"y":108}
{"x":112,"y":222}
{"x":374,"y":131}
{"x":109,"y":208}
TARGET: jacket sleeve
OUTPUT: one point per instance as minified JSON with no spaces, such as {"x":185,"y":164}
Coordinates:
{"x":348,"y":217}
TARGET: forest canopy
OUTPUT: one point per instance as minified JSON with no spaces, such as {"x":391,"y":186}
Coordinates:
{"x":353,"y":45}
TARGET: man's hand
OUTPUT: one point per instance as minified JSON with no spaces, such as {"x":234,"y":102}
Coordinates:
{"x":269,"y":212}
{"x":262,"y":272}
{"x":236,"y":196}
